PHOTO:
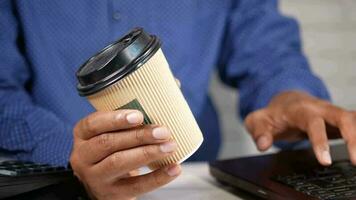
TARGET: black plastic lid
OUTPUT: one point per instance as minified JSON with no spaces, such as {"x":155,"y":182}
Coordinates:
{"x":116,"y":61}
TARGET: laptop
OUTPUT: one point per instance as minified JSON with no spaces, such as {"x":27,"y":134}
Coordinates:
{"x":290,"y":175}
{"x":27,"y":180}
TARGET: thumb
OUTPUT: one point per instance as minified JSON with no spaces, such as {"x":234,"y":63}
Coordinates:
{"x":260,"y":128}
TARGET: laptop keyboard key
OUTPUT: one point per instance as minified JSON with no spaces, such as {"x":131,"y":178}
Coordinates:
{"x":337,"y":182}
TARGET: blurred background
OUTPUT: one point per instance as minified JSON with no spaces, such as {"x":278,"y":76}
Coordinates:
{"x":329,"y":37}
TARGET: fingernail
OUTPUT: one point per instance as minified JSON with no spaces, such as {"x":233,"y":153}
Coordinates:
{"x":262,"y":142}
{"x":160,"y":133}
{"x":134,"y":118}
{"x":326,"y":157}
{"x":173,"y":171}
{"x":168,"y":147}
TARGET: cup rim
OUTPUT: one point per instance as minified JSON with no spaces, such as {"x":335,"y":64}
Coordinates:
{"x":151,"y":48}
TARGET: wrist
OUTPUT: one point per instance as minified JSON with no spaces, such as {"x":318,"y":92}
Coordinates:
{"x":291,"y":96}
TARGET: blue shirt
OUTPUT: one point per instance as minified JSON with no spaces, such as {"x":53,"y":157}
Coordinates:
{"x":42,"y":43}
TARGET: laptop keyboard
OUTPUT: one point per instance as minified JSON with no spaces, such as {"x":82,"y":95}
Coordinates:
{"x":19,"y":168}
{"x":337,"y":182}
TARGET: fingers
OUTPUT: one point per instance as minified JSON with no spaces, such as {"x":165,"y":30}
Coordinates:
{"x":101,"y":122}
{"x":258,"y":125}
{"x":136,"y":186}
{"x":347,"y":126}
{"x":121,"y":162}
{"x":346,"y":122}
{"x":101,"y":146}
{"x":331,"y":113}
{"x":293,"y":111}
{"x":317,"y":135}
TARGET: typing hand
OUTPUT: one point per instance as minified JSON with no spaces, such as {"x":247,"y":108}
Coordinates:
{"x":109,"y":146}
{"x":294,"y":115}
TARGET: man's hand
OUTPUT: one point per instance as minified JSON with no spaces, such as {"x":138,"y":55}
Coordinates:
{"x":109,"y":146}
{"x":295,"y":115}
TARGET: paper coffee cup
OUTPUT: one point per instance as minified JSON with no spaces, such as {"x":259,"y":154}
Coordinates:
{"x":133,"y":73}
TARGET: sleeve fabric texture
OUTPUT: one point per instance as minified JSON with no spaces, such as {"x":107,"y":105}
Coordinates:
{"x":262,"y":55}
{"x":27,"y":131}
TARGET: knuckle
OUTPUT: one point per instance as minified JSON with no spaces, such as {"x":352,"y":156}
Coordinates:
{"x":140,"y":135}
{"x":255,"y":119}
{"x":306,"y":106}
{"x":147,"y":153}
{"x":116,"y":161}
{"x":158,"y":179}
{"x":115,"y":121}
{"x":76,"y":166}
{"x":314,"y":122}
{"x":346,"y":118}
{"x":74,"y":157}
{"x":73,"y":161}
{"x":89,"y":124}
{"x":104,"y":140}
{"x":249,"y":121}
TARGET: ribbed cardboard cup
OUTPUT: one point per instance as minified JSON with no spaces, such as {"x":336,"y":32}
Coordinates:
{"x":149,"y":86}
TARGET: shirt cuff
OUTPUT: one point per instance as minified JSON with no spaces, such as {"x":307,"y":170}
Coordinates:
{"x":54,"y":150}
{"x":53,"y":140}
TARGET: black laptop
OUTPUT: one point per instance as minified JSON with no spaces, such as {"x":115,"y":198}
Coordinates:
{"x":290,"y":175}
{"x":21,"y":180}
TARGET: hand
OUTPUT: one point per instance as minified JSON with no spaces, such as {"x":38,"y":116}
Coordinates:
{"x":295,"y":115}
{"x":109,"y":146}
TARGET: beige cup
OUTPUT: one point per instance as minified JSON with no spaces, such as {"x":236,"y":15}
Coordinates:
{"x":136,"y":75}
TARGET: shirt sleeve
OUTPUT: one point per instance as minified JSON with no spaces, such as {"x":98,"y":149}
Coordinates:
{"x":28,"y":131}
{"x":262,"y":55}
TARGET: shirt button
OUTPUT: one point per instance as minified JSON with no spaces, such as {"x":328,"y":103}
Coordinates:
{"x":116,"y":16}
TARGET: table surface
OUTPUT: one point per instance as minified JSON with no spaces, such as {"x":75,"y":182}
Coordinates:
{"x":195,"y":182}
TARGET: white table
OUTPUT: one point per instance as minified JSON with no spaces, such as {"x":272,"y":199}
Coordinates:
{"x":195,"y":183}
